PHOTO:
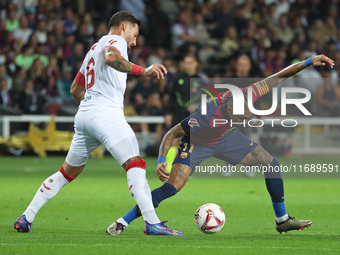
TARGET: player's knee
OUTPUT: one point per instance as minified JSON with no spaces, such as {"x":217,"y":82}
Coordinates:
{"x":261,"y":156}
{"x":135,"y":162}
{"x":74,"y":160}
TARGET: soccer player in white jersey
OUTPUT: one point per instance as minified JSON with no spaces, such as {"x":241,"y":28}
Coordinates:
{"x":99,"y":89}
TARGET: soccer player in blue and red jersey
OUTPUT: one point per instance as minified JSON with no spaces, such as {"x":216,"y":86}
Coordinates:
{"x":201,"y":139}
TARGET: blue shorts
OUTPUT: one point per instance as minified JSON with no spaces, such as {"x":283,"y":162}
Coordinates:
{"x":233,"y":149}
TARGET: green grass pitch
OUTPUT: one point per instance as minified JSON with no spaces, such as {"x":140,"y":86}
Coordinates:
{"x":74,"y":222}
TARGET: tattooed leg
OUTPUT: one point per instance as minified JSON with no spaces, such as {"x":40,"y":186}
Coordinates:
{"x":179,"y":175}
{"x":257,"y":157}
{"x":274,"y":182}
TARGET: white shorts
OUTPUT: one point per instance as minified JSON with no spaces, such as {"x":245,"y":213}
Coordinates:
{"x":107,"y":127}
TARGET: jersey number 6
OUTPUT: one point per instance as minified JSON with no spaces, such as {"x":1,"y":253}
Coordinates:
{"x":90,"y":74}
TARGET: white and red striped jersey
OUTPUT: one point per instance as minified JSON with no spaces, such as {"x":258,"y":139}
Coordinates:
{"x":105,"y":86}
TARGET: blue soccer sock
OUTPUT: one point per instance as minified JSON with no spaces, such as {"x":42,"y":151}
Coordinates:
{"x":274,"y":185}
{"x":158,"y":195}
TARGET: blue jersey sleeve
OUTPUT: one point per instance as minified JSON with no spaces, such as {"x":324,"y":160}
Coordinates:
{"x":185,"y":125}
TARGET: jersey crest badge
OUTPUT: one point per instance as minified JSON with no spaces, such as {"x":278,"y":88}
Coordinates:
{"x":193,"y":123}
{"x":184,"y":155}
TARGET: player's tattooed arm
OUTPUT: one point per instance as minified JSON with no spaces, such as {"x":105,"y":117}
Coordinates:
{"x":275,"y":79}
{"x":115,"y":60}
{"x":176,"y":132}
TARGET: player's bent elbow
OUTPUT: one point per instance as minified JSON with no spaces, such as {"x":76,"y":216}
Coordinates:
{"x":107,"y":60}
{"x":74,"y":91}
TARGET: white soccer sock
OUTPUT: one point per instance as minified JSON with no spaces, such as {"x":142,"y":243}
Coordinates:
{"x":49,"y":188}
{"x":140,"y":191}
{"x":122,"y":221}
{"x":282,"y":218}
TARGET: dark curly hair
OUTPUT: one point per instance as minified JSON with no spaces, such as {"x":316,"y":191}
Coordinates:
{"x":122,"y":16}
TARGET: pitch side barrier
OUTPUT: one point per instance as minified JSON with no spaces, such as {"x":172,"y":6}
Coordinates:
{"x":306,"y":122}
{"x":6,"y":120}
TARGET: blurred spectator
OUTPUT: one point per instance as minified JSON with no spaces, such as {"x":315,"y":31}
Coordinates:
{"x":59,"y":32}
{"x":87,"y":22}
{"x":230,"y":43}
{"x":41,"y":54}
{"x":311,"y":50}
{"x":4,"y":75}
{"x":285,"y":33}
{"x":64,"y":85}
{"x":6,"y":96}
{"x":31,"y":102}
{"x":23,"y":32}
{"x":41,"y":31}
{"x":298,"y":27}
{"x":31,"y":17}
{"x":70,"y":25}
{"x":259,"y":17}
{"x":53,"y":68}
{"x":68,"y":46}
{"x":333,"y":13}
{"x":318,"y":33}
{"x":243,"y":66}
{"x":55,"y":8}
{"x":158,"y":24}
{"x":140,"y":50}
{"x":33,"y":41}
{"x":180,"y":92}
{"x":19,"y":79}
{"x":182,"y":34}
{"x":25,"y":59}
{"x":282,"y":7}
{"x":51,"y":43}
{"x":136,"y":7}
{"x":157,"y":57}
{"x":37,"y":74}
{"x":10,"y":63}
{"x":327,"y":97}
{"x":200,"y":30}
{"x":51,"y":91}
{"x":100,"y":31}
{"x":141,"y":91}
{"x":268,"y":66}
{"x":77,"y":54}
{"x":12,"y":22}
{"x":83,"y":38}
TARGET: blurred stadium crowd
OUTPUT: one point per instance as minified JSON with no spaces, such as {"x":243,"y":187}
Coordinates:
{"x":43,"y":42}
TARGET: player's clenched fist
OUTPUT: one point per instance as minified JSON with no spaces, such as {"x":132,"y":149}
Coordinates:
{"x":155,"y":70}
{"x":162,"y":173}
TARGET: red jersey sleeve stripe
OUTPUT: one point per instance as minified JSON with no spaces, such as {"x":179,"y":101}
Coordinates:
{"x":80,"y":79}
{"x":259,"y":89}
{"x":113,"y":47}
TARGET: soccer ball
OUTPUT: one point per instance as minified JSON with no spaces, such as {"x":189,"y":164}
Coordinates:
{"x":209,"y":218}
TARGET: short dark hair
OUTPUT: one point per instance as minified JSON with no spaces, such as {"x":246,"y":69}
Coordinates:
{"x":122,"y":16}
{"x":229,"y":100}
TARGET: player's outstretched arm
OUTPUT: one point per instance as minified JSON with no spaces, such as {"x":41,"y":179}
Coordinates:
{"x":275,"y":79}
{"x":176,"y":132}
{"x":115,"y":60}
